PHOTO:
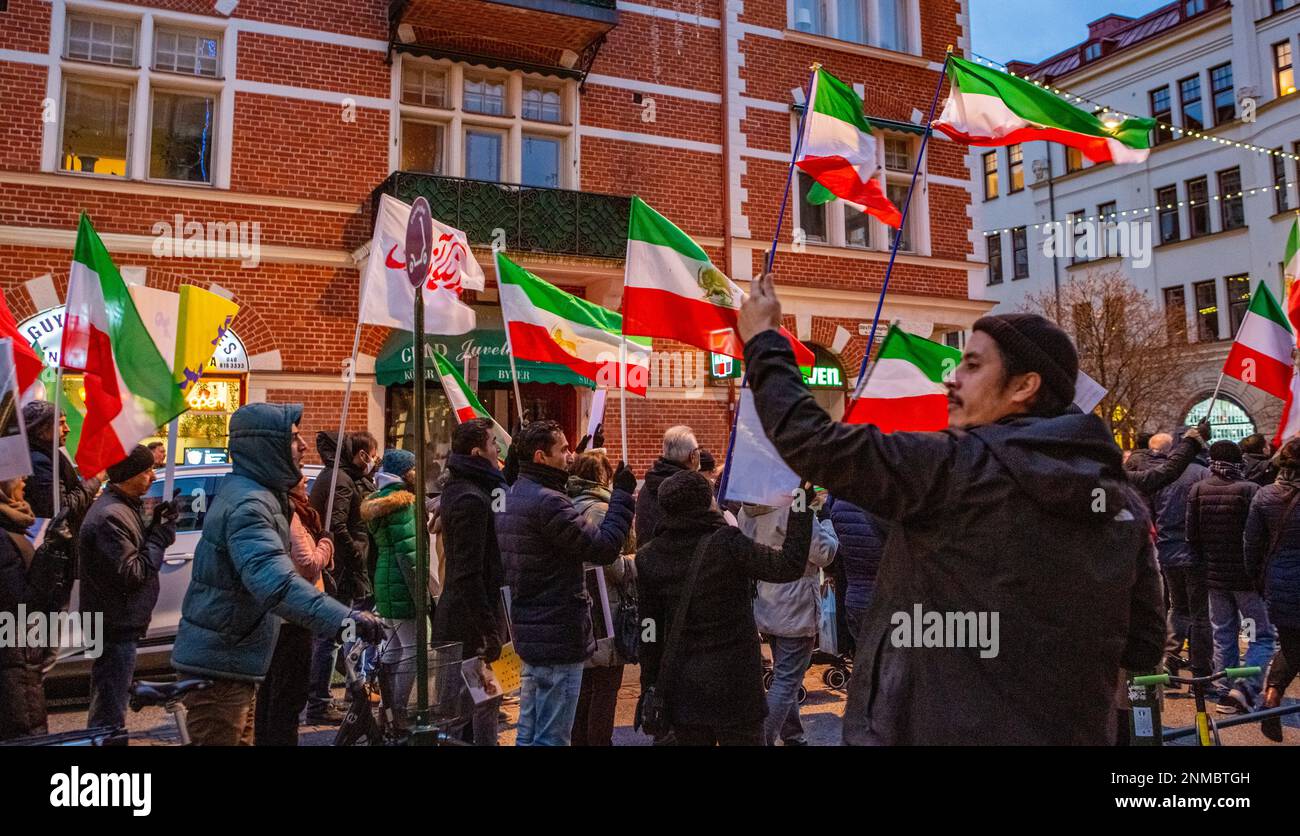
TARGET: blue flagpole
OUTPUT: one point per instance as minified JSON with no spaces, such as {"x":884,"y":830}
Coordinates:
{"x":771,"y":256}
{"x":902,"y":224}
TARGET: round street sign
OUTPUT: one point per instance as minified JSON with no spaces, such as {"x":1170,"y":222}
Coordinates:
{"x":419,"y":242}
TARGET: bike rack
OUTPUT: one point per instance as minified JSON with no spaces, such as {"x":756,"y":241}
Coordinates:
{"x":1235,"y":720}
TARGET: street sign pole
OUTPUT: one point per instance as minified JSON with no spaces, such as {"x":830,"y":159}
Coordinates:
{"x":419,"y":246}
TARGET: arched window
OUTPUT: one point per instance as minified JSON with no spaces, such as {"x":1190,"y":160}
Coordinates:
{"x":1229,"y":420}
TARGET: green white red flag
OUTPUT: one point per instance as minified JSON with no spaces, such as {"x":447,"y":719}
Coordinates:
{"x":672,"y":290}
{"x":464,"y":403}
{"x":988,"y":107}
{"x":905,"y":390}
{"x":1261,"y":354}
{"x":838,"y":150}
{"x":27,"y":366}
{"x":129,"y":387}
{"x":548,"y":325}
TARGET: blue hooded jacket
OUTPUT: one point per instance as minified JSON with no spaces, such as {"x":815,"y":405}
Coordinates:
{"x":244,"y":581}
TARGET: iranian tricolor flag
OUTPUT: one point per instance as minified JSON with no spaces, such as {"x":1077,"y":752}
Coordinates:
{"x":129,"y":387}
{"x":905,"y":390}
{"x":463,"y":400}
{"x":988,"y":107}
{"x":548,"y":325}
{"x":1291,"y":263}
{"x":672,"y":290}
{"x":1261,"y":354}
{"x":838,"y":150}
{"x":27,"y":366}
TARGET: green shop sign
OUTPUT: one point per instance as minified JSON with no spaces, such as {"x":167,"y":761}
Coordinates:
{"x":825,"y":375}
{"x":393,"y":365}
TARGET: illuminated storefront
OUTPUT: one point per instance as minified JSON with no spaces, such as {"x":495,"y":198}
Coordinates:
{"x":826,"y":379}
{"x":202,"y":431}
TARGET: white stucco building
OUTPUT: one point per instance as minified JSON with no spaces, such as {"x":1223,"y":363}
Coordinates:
{"x":1195,"y":65}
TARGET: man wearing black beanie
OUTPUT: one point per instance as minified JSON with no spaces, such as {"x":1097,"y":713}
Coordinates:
{"x":1015,"y":531}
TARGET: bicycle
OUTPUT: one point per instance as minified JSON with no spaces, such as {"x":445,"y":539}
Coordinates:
{"x":167,"y":695}
{"x":368,"y":718}
{"x":1206,"y":727}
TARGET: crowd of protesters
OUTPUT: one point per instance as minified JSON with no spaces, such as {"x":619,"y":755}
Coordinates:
{"x":1096,"y":562}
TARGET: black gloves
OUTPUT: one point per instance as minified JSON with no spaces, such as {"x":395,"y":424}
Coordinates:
{"x":165,"y":514}
{"x":1203,"y":430}
{"x":368,"y":626}
{"x":582,"y":445}
{"x":625,"y":479}
{"x":598,"y":440}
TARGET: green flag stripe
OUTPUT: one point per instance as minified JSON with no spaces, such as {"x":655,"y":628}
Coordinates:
{"x":1042,"y":107}
{"x":1263,"y":304}
{"x":138,"y":362}
{"x":836,"y":99}
{"x":645,"y":224}
{"x":446,"y":367}
{"x":545,"y":295}
{"x":1293,"y":241}
{"x":933,"y":359}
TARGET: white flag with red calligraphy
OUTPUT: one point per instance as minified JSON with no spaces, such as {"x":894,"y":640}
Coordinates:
{"x":387,"y":296}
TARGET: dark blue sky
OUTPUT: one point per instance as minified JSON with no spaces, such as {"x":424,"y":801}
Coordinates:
{"x":1031,"y":30}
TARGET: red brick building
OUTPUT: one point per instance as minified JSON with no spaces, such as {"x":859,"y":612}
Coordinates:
{"x":531,"y":121}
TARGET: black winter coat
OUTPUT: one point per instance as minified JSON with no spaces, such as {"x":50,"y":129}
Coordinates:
{"x":470,"y":605}
{"x":1148,"y":472}
{"x":719,"y":670}
{"x":120,"y":561}
{"x":22,"y":698}
{"x":862,"y":544}
{"x":544,"y":542}
{"x":1260,"y":468}
{"x":1030,"y":518}
{"x":352,"y":576}
{"x":1277,"y":573}
{"x":1171,"y":516}
{"x":648,"y":514}
{"x":1216,"y":520}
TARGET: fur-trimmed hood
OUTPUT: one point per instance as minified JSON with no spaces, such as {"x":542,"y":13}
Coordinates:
{"x":382,"y":504}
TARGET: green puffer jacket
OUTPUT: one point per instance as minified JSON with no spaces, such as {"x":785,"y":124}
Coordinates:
{"x":390,"y":513}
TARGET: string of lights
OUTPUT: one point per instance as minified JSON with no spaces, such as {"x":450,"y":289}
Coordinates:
{"x":1146,"y":210}
{"x":1103,"y":111}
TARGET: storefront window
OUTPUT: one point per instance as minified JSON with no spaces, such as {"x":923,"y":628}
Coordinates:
{"x":1228,"y":421}
{"x":399,"y":427}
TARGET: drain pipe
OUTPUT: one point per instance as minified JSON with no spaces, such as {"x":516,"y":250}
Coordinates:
{"x":725,"y":40}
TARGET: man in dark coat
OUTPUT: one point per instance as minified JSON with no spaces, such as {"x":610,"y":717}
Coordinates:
{"x":714,"y":693}
{"x":469,"y":609}
{"x":862,"y":544}
{"x":1257,"y":460}
{"x":1017,"y":518}
{"x":350,"y":582}
{"x":1217,"y":508}
{"x":1189,"y":603}
{"x":680,"y":452}
{"x":75,"y":494}
{"x":544,"y":542}
{"x":1148,"y":472}
{"x":121,"y":557}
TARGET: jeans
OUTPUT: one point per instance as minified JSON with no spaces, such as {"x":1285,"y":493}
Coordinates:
{"x":1189,"y":617}
{"x":110,"y":684}
{"x":324,"y":655}
{"x":284,"y":691}
{"x":1227,"y":609}
{"x":790,"y":659}
{"x":548,"y":702}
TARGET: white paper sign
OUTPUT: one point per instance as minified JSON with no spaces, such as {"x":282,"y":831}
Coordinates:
{"x":15,"y":460}
{"x":1087,"y":393}
{"x":757,"y":473}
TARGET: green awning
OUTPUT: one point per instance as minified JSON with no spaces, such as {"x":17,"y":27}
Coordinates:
{"x":393,"y":365}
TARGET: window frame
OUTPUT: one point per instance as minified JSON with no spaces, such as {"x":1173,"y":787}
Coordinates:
{"x":1279,"y":69}
{"x":94,"y":17}
{"x":1165,"y":116}
{"x":1226,"y":202}
{"x":1193,"y":209}
{"x":990,"y":155}
{"x":1202,"y":315}
{"x":1107,"y":216}
{"x":1238,"y":306}
{"x":1176,"y":319}
{"x":1215,"y":92}
{"x":1168,"y":208}
{"x":1183,"y":103}
{"x":180,"y":91}
{"x":180,"y":31}
{"x":1281,"y":192}
{"x":1015,"y":168}
{"x":872,"y":21}
{"x":63,"y":123}
{"x":992,"y":248}
{"x":1015,"y":251}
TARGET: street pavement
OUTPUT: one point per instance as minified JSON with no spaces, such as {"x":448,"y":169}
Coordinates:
{"x":821,"y":713}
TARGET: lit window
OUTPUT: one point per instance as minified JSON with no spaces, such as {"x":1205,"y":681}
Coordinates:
{"x":1283,"y":72}
{"x":101,"y":41}
{"x":192,"y":53}
{"x":96,"y":122}
{"x":1016,"y":167}
{"x":990,"y":175}
{"x":422,"y":146}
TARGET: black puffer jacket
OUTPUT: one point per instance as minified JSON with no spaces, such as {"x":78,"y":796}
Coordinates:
{"x":648,"y":514}
{"x":1217,"y":508}
{"x":469,"y":608}
{"x":1260,"y":468}
{"x":544,"y":541}
{"x":1030,"y":518}
{"x":1278,"y":572}
{"x":120,"y":560}
{"x":719,"y":672}
{"x":862,"y":544}
{"x":351,"y":575}
{"x":1148,"y":472}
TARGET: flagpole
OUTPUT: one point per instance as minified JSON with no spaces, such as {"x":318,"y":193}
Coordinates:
{"x":902,"y":224}
{"x":771,"y":258}
{"x":169,"y":467}
{"x":343,"y":419}
{"x":622,"y":394}
{"x":55,"y":465}
{"x":1217,"y":386}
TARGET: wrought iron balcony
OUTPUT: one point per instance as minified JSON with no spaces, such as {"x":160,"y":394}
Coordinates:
{"x":535,"y":219}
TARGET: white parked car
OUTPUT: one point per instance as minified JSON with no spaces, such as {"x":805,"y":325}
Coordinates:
{"x":198,"y":485}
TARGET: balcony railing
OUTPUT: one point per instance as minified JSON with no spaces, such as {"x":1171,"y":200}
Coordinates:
{"x":534,"y":219}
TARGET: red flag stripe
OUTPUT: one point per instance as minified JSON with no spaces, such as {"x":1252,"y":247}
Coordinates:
{"x":531,"y":342}
{"x":1270,"y":374}
{"x":923,"y":413}
{"x":840,"y":177}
